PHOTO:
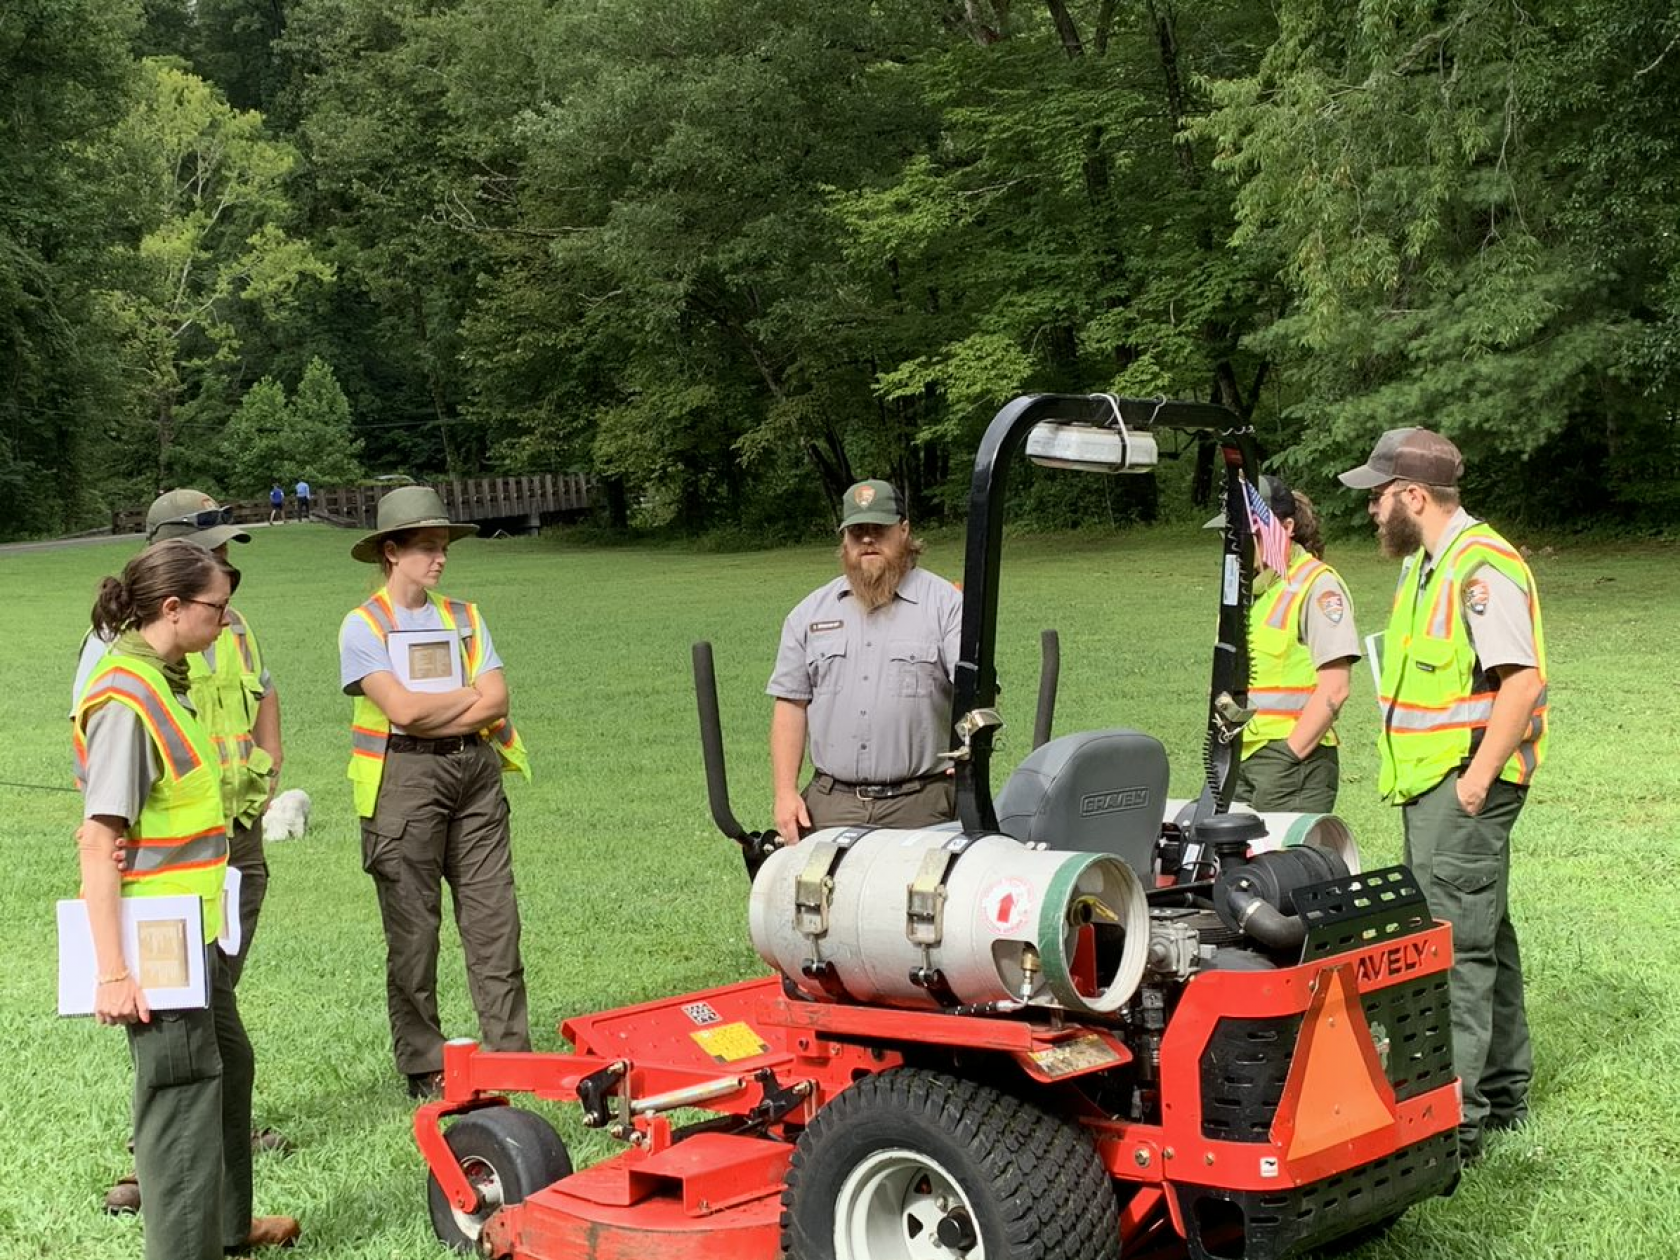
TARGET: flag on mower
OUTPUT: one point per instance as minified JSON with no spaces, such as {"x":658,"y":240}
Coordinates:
{"x":1269,"y":534}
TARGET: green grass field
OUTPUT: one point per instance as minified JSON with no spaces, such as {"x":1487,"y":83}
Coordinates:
{"x":628,"y":893}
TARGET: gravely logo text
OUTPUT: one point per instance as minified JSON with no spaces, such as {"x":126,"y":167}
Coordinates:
{"x":1112,"y":802}
{"x":1394,"y":961}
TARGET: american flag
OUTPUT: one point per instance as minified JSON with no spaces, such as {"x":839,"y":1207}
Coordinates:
{"x":1269,"y":532}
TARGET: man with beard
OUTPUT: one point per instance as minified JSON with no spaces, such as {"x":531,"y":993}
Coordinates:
{"x":865,"y":670}
{"x":1464,"y":729}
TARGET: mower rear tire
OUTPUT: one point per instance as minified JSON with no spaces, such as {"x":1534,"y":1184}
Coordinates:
{"x":507,"y":1155}
{"x":921,"y":1165}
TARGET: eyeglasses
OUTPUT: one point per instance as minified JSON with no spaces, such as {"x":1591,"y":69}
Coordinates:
{"x":221,"y":608}
{"x":199,"y":520}
{"x":1377,"y":496}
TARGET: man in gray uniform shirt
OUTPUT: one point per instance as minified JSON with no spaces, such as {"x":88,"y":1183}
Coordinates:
{"x":865,"y":670}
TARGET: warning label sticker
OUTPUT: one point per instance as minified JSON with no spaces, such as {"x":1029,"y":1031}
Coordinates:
{"x":730,"y":1043}
{"x":1006,"y":905}
{"x":1081,"y":1054}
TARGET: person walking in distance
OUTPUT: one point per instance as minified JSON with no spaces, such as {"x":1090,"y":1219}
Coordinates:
{"x":864,"y":672}
{"x":430,"y":741}
{"x":276,"y":505}
{"x":302,"y":491}
{"x":1465,"y":729}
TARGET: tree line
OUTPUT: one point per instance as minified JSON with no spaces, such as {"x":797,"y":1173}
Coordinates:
{"x":729,"y":255}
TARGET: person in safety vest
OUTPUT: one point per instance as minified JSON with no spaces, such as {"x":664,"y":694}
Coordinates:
{"x":1302,"y":645}
{"x":152,"y":791}
{"x":1463,"y":695}
{"x":430,"y":740}
{"x":865,"y":668}
{"x":235,"y":699}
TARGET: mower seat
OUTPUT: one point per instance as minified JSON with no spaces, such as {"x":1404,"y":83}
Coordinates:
{"x":1094,"y":792}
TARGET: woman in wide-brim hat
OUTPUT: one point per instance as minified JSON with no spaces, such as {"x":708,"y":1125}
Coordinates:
{"x":430,"y":740}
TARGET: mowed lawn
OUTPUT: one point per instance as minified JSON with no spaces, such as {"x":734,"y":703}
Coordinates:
{"x":628,"y":893}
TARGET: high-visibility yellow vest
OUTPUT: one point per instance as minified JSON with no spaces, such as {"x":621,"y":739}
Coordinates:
{"x":225,"y":699}
{"x":178,"y":846}
{"x":370,"y":729}
{"x":1436,"y":697}
{"x":1281,"y":670}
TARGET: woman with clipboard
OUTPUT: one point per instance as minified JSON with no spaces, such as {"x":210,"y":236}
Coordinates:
{"x":151,"y":785}
{"x":430,"y":740}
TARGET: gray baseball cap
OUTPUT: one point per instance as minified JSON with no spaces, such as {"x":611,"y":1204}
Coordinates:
{"x":1408,"y":455}
{"x":193,"y":515}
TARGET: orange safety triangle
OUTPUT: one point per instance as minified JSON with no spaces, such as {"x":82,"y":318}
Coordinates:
{"x":1337,"y":1090}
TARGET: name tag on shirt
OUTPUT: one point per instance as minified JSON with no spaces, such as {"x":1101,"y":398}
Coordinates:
{"x":820,"y":627}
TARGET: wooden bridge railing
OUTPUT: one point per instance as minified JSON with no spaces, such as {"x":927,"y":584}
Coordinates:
{"x":527,"y":498}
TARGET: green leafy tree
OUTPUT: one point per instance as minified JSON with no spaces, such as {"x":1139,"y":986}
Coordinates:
{"x":64,"y":73}
{"x":310,"y":437}
{"x":207,"y":188}
{"x":1473,"y":209}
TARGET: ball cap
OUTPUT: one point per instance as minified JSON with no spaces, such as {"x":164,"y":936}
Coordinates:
{"x":407,"y":507}
{"x":1408,"y":455}
{"x":195,"y":516}
{"x":871,"y":503}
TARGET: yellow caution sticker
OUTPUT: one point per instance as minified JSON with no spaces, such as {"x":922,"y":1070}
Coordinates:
{"x":730,"y":1043}
{"x":1081,"y":1054}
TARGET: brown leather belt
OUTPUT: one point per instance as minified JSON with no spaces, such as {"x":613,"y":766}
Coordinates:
{"x":438,"y":747}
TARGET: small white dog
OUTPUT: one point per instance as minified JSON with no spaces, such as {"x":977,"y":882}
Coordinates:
{"x":288,"y":816}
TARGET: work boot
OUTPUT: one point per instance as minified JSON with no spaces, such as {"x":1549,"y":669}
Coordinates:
{"x":123,"y":1199}
{"x":425,"y":1085}
{"x":268,"y":1231}
{"x":269,"y":1140}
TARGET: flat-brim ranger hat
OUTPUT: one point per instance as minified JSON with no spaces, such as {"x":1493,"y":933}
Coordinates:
{"x":408,"y":507}
{"x":193,"y":515}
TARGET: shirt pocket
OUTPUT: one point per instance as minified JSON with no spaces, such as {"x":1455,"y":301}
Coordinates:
{"x":915,"y":667}
{"x":826,"y":662}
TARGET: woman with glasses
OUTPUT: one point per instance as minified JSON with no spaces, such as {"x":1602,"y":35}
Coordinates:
{"x":430,"y":740}
{"x":151,"y":783}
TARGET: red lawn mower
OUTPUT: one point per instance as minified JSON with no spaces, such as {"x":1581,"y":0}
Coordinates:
{"x":1082,"y":1021}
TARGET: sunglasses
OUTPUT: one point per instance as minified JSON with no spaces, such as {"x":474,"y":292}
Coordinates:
{"x":199,"y":520}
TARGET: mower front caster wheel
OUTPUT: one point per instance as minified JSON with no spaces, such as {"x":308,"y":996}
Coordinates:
{"x":507,"y":1154}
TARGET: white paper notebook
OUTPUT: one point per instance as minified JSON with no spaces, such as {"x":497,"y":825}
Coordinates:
{"x":163,"y":945}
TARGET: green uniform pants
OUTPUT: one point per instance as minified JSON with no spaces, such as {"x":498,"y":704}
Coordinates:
{"x":832,"y":804}
{"x":445,"y":817}
{"x":1273,"y":779}
{"x":192,"y":1124}
{"x":245,"y":853}
{"x":1463,"y":865}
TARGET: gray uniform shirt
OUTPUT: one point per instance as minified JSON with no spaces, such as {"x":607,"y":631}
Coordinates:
{"x":362,"y":652}
{"x":1495,"y":609}
{"x":1327,"y":627}
{"x":122,"y":764}
{"x":879,"y":683}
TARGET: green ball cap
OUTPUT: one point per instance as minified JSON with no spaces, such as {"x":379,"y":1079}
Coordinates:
{"x":871,"y":503}
{"x":194,"y":516}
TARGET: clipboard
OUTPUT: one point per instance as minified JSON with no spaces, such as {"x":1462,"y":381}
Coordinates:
{"x":163,"y":946}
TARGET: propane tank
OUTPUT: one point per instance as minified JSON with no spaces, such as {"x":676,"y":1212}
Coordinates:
{"x":936,"y":917}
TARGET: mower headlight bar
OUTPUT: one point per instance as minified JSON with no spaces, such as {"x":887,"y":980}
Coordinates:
{"x":1086,"y":448}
